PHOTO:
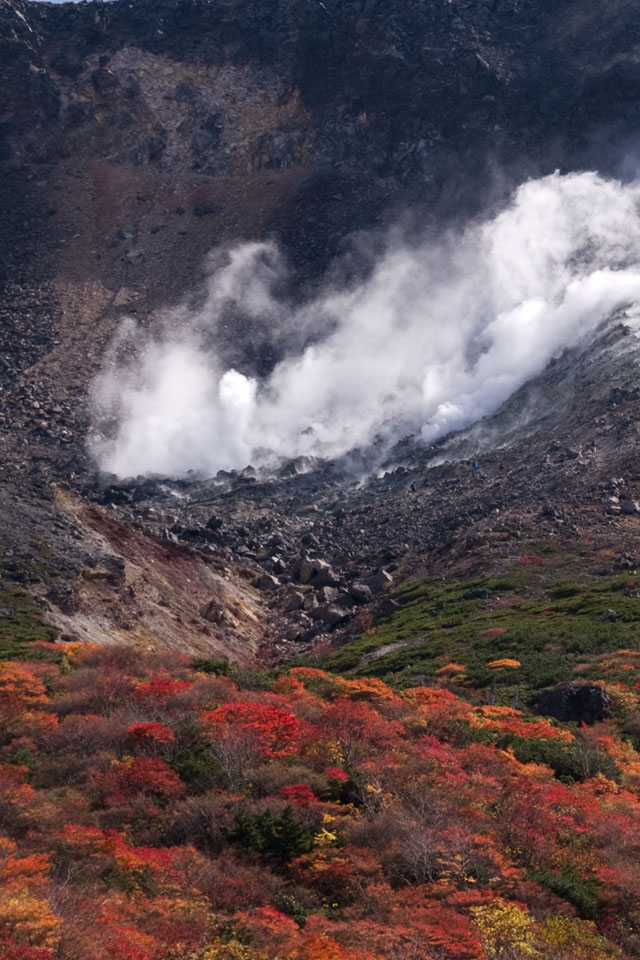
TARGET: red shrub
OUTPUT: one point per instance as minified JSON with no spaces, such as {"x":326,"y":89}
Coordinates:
{"x":277,"y":731}
{"x":299,"y":793}
{"x":150,"y":734}
{"x":139,"y":777}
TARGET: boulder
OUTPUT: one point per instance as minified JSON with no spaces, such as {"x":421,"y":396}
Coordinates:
{"x":309,"y":539}
{"x":316,"y":572}
{"x":329,"y":613}
{"x":608,"y":616}
{"x":345,"y":601}
{"x":630,"y":507}
{"x":379,"y":581}
{"x":388,"y":607}
{"x":116,"y":495}
{"x":194,"y":534}
{"x":293,"y":601}
{"x":306,"y":569}
{"x":310,"y":604}
{"x":312,"y":633}
{"x":324,"y":576}
{"x":295,"y":467}
{"x":360,"y":592}
{"x":267,"y":582}
{"x":327,"y":594}
{"x":576,"y":703}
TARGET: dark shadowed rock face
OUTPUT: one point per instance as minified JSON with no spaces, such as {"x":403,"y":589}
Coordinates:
{"x":571,"y":702}
{"x":402,"y":94}
{"x":132,"y":129}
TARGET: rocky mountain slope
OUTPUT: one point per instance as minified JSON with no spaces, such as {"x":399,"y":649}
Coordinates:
{"x":136,"y":137}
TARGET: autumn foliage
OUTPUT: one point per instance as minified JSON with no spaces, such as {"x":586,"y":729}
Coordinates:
{"x":149,"y":811}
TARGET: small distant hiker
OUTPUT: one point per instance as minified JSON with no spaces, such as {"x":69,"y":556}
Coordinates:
{"x":475,"y":465}
{"x":501,"y":468}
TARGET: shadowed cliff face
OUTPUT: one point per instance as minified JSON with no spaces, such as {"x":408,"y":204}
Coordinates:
{"x":136,"y":137}
{"x":306,"y":120}
{"x":343,"y":109}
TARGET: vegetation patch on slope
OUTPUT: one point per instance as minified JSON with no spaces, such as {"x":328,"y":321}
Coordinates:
{"x":21,"y":625}
{"x":553,"y":628}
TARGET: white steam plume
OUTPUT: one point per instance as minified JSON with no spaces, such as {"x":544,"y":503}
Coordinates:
{"x":435,"y":338}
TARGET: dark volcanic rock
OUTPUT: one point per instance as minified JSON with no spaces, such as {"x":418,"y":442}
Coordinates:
{"x":64,"y":597}
{"x":360,"y":592}
{"x":571,"y":702}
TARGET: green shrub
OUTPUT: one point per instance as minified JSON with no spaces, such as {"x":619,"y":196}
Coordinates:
{"x":583,"y":893}
{"x":282,"y":837}
{"x":22,"y":624}
{"x":216,"y":668}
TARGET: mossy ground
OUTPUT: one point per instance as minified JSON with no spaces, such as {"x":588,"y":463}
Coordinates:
{"x":21,"y":624}
{"x":544,"y":612}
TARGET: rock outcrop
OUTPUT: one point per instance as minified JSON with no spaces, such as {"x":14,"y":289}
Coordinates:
{"x":576,"y":703}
